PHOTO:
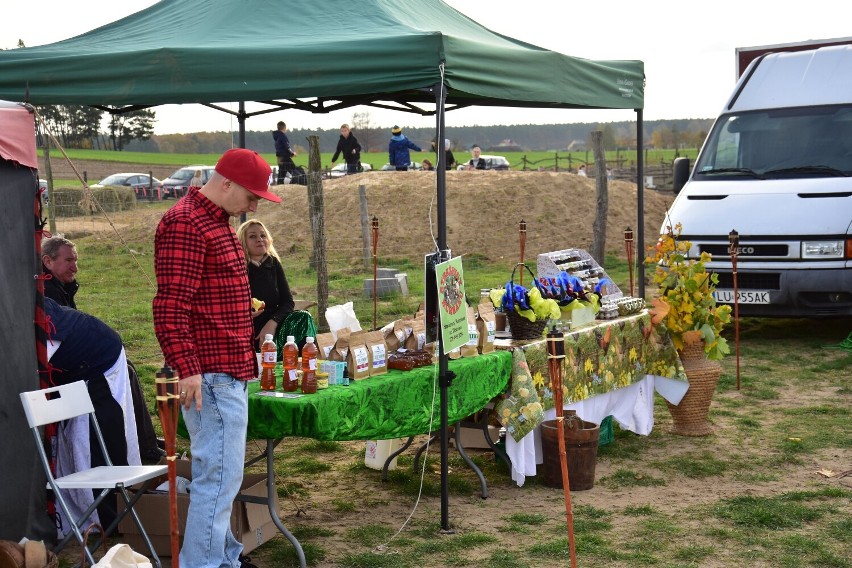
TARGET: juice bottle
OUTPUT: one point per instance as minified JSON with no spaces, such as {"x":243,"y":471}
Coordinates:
{"x":290,"y":354}
{"x":309,"y":366}
{"x":269,"y":356}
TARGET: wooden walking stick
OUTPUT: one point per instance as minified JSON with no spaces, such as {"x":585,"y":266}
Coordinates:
{"x":375,"y":270}
{"x":628,"y":247}
{"x":522,"y":235}
{"x":555,"y":357}
{"x":168,"y":400}
{"x":734,"y":239}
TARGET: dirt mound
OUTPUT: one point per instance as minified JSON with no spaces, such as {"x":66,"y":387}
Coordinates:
{"x":483,"y":212}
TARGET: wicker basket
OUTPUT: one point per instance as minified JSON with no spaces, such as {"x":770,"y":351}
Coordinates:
{"x":689,"y":418}
{"x":521,"y":327}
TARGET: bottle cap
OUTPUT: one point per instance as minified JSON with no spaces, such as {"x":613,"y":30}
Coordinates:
{"x":291,"y":339}
{"x":268,"y":337}
{"x":309,"y":339}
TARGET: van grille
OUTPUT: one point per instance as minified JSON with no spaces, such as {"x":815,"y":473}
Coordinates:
{"x":747,"y":251}
{"x":750,"y":281}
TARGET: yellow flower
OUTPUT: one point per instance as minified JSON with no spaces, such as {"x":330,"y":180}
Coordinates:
{"x":538,"y":380}
{"x":589,"y":367}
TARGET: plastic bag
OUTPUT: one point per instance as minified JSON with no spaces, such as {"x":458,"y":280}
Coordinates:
{"x":342,"y":316}
{"x":122,"y":556}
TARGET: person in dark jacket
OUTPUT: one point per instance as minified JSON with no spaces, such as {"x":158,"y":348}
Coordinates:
{"x":476,"y":162}
{"x":449,"y":159}
{"x":398,"y":150}
{"x":59,"y":260}
{"x":350,"y":148}
{"x":283,"y":152}
{"x":266,"y":279}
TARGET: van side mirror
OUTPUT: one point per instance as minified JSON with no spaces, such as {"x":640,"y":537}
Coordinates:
{"x":680,"y":173}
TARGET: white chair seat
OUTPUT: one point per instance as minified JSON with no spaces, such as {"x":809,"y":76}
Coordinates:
{"x":109,"y":476}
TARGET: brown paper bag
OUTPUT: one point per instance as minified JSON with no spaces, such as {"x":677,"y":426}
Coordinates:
{"x":487,"y":325}
{"x":358,"y":358}
{"x":417,"y":340}
{"x":378,"y":353}
{"x":341,"y":347}
{"x":471,"y":348}
{"x":325,"y":343}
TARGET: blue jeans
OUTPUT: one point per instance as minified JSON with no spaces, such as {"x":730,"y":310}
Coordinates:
{"x":218,"y":445}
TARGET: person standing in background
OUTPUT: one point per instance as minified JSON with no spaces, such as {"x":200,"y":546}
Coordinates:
{"x":350,"y":148}
{"x":476,"y":162}
{"x":202,"y":320}
{"x":196,"y":179}
{"x":283,"y":152}
{"x":398,"y":150}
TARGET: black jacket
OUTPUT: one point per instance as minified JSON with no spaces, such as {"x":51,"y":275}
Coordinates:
{"x":269,"y":285}
{"x":346,"y":146}
{"x":59,"y":292}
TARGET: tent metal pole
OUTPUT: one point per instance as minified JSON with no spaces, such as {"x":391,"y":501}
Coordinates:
{"x":241,"y":120}
{"x":444,"y":375}
{"x":640,"y":205}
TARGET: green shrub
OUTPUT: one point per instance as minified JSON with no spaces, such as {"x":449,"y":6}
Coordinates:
{"x":68,"y":201}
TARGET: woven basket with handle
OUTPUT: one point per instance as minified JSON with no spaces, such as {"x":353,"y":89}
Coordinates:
{"x":521,"y":327}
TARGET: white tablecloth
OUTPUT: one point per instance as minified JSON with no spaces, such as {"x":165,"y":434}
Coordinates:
{"x":632,"y":407}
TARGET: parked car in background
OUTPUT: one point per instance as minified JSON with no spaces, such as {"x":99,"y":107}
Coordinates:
{"x":177,"y":184}
{"x":144,"y":186}
{"x":411,"y":166}
{"x":340,"y":170}
{"x":491,"y":163}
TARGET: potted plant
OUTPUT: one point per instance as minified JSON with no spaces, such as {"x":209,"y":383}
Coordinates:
{"x":686,"y":307}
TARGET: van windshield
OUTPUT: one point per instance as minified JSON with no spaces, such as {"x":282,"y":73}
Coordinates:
{"x":779,"y":143}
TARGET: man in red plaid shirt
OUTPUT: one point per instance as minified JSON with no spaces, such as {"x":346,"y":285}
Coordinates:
{"x":202,"y":318}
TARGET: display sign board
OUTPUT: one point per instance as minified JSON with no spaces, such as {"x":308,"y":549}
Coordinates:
{"x":452,"y":303}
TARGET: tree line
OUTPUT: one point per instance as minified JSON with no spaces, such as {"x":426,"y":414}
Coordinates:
{"x":86,"y":127}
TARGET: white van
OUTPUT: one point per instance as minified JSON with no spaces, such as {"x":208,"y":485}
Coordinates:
{"x":776,"y":168}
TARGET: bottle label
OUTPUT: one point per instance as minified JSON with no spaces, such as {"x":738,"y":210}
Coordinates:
{"x":312,"y":364}
{"x":292,"y":374}
{"x":270,"y":357}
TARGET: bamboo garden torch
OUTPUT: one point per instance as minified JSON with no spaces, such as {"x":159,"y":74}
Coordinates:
{"x":734,"y":239}
{"x":522,"y":236}
{"x":555,"y":357}
{"x":628,"y":248}
{"x":168,"y":400}
{"x":375,"y":231}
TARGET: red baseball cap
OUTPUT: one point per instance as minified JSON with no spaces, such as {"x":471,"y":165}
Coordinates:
{"x":248,"y":169}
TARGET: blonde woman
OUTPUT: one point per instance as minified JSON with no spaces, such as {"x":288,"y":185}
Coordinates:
{"x":196,"y":179}
{"x":266,"y":278}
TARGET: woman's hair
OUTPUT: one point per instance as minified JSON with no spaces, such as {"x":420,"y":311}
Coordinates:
{"x":346,"y":126}
{"x":241,"y":234}
{"x":198,"y":173}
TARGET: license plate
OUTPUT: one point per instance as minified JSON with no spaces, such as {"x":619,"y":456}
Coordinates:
{"x":743,"y":296}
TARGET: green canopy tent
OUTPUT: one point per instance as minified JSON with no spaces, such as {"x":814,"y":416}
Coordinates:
{"x":418,"y":56}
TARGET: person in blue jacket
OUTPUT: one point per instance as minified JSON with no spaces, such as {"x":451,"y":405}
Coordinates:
{"x":283,"y":153}
{"x":398,"y":148}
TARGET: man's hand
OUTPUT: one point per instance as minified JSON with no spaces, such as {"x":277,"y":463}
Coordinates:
{"x":190,"y":390}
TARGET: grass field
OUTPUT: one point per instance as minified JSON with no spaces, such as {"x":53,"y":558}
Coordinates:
{"x":518,"y":160}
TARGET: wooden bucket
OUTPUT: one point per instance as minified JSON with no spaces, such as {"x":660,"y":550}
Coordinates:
{"x":581,"y":449}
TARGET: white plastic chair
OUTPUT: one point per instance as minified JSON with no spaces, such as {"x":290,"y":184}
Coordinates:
{"x":56,"y":404}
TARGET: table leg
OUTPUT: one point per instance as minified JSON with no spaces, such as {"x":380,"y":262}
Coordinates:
{"x":393,"y":455}
{"x":420,"y":451}
{"x":468,"y":461}
{"x":271,"y":490}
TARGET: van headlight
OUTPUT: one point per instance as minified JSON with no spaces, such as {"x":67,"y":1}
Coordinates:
{"x":822,"y":249}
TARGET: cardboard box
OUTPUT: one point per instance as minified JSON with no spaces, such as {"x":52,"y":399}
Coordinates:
{"x":474,"y":438}
{"x":251,"y":523}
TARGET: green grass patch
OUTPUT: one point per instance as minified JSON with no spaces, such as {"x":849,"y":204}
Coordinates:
{"x":623,"y":477}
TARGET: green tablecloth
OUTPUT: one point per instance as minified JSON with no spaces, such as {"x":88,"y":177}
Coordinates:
{"x":394,"y":405}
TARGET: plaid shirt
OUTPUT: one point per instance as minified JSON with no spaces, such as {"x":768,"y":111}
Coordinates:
{"x":203,"y":304}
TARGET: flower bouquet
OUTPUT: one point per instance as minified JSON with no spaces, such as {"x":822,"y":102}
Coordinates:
{"x":527,"y":309}
{"x":686,"y":305}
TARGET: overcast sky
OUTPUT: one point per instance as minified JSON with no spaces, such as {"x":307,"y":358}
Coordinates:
{"x":687,"y":49}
